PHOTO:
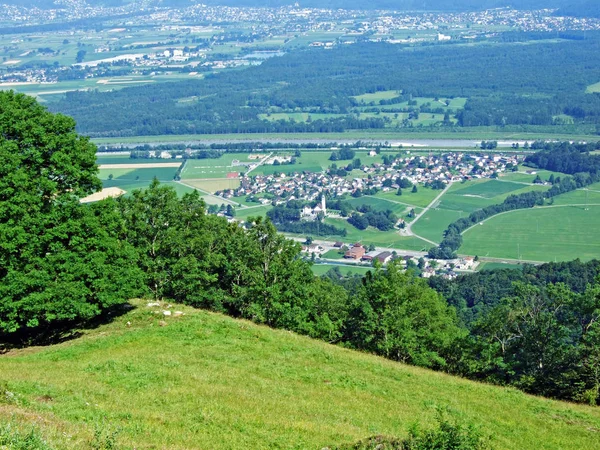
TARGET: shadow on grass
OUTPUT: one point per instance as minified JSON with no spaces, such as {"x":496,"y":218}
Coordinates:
{"x":60,"y":332}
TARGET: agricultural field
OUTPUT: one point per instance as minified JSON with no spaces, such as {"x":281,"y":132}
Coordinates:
{"x":423,"y":197}
{"x":498,"y":265}
{"x":385,"y":239}
{"x":462,"y":199}
{"x":346,"y":270}
{"x":553,"y":233}
{"x":377,"y":96}
{"x":380,"y":204}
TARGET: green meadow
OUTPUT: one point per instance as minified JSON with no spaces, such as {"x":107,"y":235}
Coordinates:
{"x":202,"y":380}
{"x":555,"y":233}
{"x":462,"y":199}
{"x":385,"y":239}
{"x":346,"y":270}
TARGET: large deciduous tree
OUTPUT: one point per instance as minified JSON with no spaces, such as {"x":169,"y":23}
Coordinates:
{"x":60,"y":261}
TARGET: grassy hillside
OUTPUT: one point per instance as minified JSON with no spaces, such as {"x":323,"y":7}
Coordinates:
{"x":202,"y":380}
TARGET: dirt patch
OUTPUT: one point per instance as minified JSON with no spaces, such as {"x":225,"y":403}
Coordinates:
{"x":104,"y":193}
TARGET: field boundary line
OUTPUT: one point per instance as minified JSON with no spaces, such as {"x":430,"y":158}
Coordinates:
{"x":523,"y":209}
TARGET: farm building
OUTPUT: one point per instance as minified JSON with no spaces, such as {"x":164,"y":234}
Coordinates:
{"x":356,"y":252}
{"x":370,"y":256}
{"x":384,"y":257}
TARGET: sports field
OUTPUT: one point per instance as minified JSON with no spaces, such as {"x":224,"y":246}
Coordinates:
{"x":554,"y":233}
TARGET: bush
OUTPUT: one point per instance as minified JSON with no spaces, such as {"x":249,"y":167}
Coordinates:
{"x":12,"y":438}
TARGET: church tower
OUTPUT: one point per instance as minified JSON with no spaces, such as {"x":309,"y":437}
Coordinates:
{"x":324,"y":204}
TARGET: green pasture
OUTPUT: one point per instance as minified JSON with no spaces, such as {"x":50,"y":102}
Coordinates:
{"x":133,"y":175}
{"x":204,"y":380}
{"x":579,"y":197}
{"x":244,"y":213}
{"x":379,"y":204}
{"x":524,"y":177}
{"x":322,"y":269}
{"x":487,"y":189}
{"x":213,"y":185}
{"x":377,"y":96}
{"x":559,"y":233}
{"x":334,"y":254}
{"x":497,"y":266}
{"x":433,"y":223}
{"x":196,"y":169}
{"x":462,"y":199}
{"x":422,"y":198}
{"x":385,"y":239}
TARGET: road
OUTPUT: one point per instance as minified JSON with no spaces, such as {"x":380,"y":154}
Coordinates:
{"x":408,"y":230}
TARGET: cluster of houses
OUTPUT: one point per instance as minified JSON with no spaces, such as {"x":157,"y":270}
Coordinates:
{"x":418,"y":169}
{"x":358,"y":253}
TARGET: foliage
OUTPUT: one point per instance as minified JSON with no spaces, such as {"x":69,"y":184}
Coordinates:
{"x":400,"y":317}
{"x":60,"y":261}
{"x":448,"y":435}
{"x":11,"y":437}
{"x":288,"y":218}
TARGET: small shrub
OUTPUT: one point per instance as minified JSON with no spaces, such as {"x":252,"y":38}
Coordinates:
{"x":14,"y":439}
{"x":448,"y":435}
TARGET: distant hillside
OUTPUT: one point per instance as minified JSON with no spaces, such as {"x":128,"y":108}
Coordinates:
{"x":589,"y":8}
{"x":203,"y":380}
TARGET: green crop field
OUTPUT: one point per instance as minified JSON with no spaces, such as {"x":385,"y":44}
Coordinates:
{"x":462,"y":199}
{"x":203,"y":380}
{"x":334,"y":254}
{"x":322,"y":269}
{"x":488,"y":189}
{"x":214,"y":167}
{"x":422,"y":198}
{"x":132,"y":175}
{"x":376,"y":96}
{"x":244,"y":213}
{"x":497,"y":265}
{"x":541,"y":234}
{"x":379,"y":204}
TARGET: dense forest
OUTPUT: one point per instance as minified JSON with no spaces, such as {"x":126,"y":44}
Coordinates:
{"x":326,"y":81}
{"x":64,"y":263}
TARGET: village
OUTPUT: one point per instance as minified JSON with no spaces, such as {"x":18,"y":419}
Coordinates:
{"x":418,"y":169}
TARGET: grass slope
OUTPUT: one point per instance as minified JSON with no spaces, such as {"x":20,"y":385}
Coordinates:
{"x":208,"y":381}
